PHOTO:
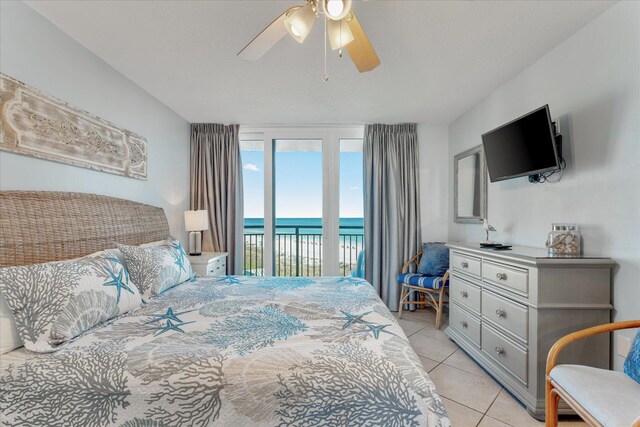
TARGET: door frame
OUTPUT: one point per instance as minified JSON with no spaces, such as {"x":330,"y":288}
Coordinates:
{"x":330,"y":136}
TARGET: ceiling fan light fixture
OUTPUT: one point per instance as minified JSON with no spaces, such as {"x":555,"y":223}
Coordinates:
{"x":300,"y":21}
{"x":335,"y":10}
{"x":341,"y":27}
{"x":339,"y":33}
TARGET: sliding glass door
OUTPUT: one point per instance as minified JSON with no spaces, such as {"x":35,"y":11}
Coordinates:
{"x":351,"y":241}
{"x":252,"y":156}
{"x":298,"y":201}
{"x":310,"y":219}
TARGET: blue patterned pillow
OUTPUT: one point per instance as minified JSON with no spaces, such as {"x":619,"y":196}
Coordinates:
{"x":435,"y":259}
{"x":156,"y":267}
{"x":632,"y":362}
{"x":55,"y":302}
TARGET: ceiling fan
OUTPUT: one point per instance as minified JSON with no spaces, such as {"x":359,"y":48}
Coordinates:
{"x":341,"y":28}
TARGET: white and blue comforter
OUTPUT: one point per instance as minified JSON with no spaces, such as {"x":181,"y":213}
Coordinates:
{"x":231,"y":351}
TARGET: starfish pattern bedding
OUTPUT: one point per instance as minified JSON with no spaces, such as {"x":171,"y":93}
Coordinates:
{"x":231,"y":351}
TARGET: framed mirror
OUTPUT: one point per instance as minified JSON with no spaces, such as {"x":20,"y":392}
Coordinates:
{"x":470,"y":186}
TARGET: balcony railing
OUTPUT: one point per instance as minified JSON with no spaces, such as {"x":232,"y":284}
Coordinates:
{"x":298,"y":250}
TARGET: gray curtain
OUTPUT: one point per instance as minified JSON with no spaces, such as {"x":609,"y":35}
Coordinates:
{"x":391,"y":205}
{"x":216,"y":185}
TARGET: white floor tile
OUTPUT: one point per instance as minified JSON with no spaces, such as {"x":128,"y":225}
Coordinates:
{"x":431,"y":332}
{"x":507,"y":409}
{"x":460,"y":415}
{"x":461,"y":360}
{"x":428,"y":344}
{"x":570,"y":421}
{"x":475,"y":391}
{"x":428,"y":364}
{"x":491,"y":422}
{"x":410,"y":327}
{"x":428,"y":315}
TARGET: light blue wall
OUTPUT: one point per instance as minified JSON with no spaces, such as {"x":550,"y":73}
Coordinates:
{"x":592,"y":83}
{"x":37,"y":53}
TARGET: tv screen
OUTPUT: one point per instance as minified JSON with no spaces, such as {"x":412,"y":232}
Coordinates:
{"x":524,"y":146}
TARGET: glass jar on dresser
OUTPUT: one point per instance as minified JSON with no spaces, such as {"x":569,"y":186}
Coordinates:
{"x":509,"y":307}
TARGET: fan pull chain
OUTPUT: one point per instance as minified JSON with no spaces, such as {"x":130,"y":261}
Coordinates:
{"x":340,"y":50}
{"x":325,"y":77}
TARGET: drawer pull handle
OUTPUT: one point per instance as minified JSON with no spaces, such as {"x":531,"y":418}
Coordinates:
{"x":463,"y":294}
{"x":463,"y":323}
{"x":464,"y":264}
{"x":501,"y":313}
{"x":500,"y":350}
{"x":501,"y":276}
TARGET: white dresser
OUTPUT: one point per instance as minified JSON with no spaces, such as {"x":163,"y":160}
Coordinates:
{"x":509,"y":307}
{"x":209,"y":263}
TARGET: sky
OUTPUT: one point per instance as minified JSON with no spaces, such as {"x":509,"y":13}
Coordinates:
{"x":299,"y":184}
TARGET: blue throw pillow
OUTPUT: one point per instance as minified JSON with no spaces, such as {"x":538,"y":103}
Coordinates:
{"x":632,"y":362}
{"x":435,"y":259}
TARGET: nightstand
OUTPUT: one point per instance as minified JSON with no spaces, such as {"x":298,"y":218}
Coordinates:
{"x":209,"y":263}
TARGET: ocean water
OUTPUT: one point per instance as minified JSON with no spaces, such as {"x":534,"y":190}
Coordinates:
{"x":353,"y":226}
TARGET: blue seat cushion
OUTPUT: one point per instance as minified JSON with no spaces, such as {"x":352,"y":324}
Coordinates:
{"x":435,"y":259}
{"x":422,"y":280}
{"x":632,"y":362}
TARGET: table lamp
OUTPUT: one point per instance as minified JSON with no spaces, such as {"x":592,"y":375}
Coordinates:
{"x":195,"y":222}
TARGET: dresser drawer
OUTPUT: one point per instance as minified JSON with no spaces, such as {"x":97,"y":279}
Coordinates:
{"x":466,"y":323}
{"x":508,"y":314}
{"x":217,"y":267}
{"x":466,"y":264}
{"x":465,"y":293}
{"x":505,"y":352}
{"x":506,"y":277}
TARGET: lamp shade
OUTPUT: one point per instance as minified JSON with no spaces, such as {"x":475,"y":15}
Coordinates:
{"x":299,"y":22}
{"x":339,"y":33}
{"x":196,"y":220}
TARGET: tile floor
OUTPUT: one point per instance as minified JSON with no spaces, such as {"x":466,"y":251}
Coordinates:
{"x":471,"y":396}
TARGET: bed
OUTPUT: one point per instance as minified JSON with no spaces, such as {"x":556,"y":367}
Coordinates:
{"x":229,"y":351}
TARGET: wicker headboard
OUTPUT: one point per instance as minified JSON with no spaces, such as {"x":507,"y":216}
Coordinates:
{"x":43,"y":226}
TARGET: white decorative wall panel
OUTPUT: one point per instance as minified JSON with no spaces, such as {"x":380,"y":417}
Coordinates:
{"x":38,"y":125}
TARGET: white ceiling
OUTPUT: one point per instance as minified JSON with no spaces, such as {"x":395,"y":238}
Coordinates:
{"x":439,"y":58}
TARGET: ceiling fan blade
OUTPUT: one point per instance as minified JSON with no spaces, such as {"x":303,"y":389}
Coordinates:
{"x":265,"y":40}
{"x":360,"y":49}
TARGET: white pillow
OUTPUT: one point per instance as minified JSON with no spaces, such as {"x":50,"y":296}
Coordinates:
{"x":9,"y":338}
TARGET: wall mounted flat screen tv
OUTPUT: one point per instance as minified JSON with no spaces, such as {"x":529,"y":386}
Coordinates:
{"x":524,"y":146}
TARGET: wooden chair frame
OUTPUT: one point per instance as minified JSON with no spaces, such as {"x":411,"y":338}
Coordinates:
{"x":554,"y":392}
{"x":429,"y":294}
